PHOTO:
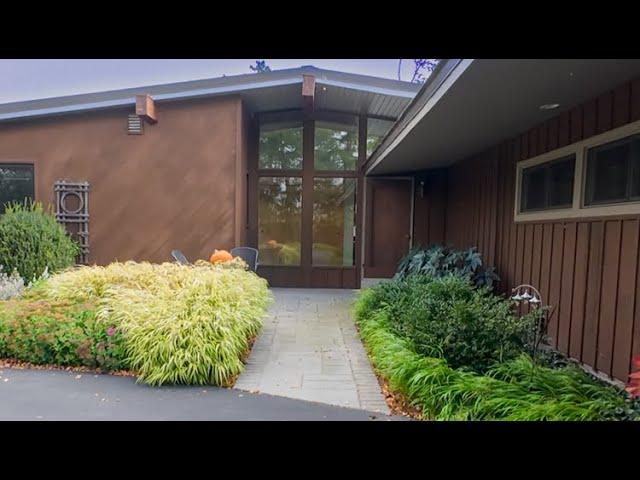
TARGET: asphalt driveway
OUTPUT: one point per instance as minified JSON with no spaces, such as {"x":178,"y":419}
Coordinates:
{"x":60,"y":395}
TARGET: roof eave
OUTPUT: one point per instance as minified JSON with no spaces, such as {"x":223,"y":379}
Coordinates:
{"x":443,"y":76}
{"x":290,"y":77}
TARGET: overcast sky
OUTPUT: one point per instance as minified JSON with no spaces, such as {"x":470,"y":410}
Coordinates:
{"x":31,"y":79}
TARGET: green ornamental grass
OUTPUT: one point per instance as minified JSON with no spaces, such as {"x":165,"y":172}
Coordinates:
{"x":174,"y":324}
{"x":516,"y":389}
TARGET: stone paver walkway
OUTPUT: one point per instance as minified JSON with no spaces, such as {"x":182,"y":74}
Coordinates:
{"x":309,"y":349}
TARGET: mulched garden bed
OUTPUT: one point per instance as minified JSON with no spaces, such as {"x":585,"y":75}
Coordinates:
{"x":397,"y":402}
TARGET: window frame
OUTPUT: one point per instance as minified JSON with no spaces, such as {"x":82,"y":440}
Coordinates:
{"x":628,"y":198}
{"x":5,"y":164}
{"x":547,"y":182}
{"x":578,"y":208}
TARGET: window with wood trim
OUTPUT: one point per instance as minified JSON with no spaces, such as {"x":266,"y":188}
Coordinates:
{"x":613,"y":172}
{"x":599,"y":176}
{"x":549,"y":185}
{"x":16,"y":184}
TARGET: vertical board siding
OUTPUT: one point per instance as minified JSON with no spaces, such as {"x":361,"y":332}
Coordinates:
{"x":608,"y":295}
{"x":566,"y":297}
{"x":579,"y":290}
{"x":555,"y":280}
{"x":594,"y":282}
{"x":623,"y":332}
{"x":586,"y":269}
{"x":429,"y":208}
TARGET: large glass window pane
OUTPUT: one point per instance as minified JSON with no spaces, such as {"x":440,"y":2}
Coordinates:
{"x":548,"y":186}
{"x":279,"y":220}
{"x":635,"y":171}
{"x":561,"y":183}
{"x":16,"y":184}
{"x":533,"y":188}
{"x":612,"y":172}
{"x":376,"y":129}
{"x":336,"y":145}
{"x":281,"y":145}
{"x":334,"y":221}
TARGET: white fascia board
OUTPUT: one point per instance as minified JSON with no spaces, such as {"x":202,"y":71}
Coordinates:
{"x":160,"y":97}
{"x":68,"y":108}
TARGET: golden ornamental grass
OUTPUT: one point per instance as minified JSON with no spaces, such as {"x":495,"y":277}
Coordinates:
{"x":181,"y":324}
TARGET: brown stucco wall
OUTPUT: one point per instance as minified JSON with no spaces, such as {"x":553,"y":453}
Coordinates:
{"x":175,"y":186}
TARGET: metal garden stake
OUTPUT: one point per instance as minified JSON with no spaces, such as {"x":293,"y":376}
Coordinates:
{"x":530,"y":295}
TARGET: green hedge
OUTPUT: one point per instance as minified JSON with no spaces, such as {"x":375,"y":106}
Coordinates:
{"x":32,"y":241}
{"x":513,"y":390}
{"x":448,"y":317}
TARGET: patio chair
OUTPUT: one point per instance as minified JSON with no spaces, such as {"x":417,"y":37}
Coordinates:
{"x":179,"y":257}
{"x":248,"y":254}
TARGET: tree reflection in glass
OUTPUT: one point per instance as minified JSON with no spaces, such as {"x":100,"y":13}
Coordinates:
{"x":336,"y":146}
{"x":281,"y":146}
{"x":279,"y":220}
{"x":376,"y":130}
{"x":333,"y":221}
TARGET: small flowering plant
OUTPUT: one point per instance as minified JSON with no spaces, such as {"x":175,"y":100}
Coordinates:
{"x":108,"y":348}
{"x":10,"y":285}
{"x":633,"y":387}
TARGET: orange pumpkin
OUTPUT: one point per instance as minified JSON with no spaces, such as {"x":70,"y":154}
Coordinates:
{"x":220,"y":256}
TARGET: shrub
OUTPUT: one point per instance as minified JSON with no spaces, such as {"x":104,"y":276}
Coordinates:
{"x":178,"y":324}
{"x":448,"y":317}
{"x":60,"y":333}
{"x":438,"y":261}
{"x":514,"y":390}
{"x":31,"y":241}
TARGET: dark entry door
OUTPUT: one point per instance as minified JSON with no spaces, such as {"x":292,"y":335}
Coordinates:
{"x":387,"y":225}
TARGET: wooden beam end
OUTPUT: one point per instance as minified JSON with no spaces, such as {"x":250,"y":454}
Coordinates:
{"x":308,"y":91}
{"x":146,"y":108}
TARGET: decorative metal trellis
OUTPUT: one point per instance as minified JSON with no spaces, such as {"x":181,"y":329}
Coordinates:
{"x":75,"y":220}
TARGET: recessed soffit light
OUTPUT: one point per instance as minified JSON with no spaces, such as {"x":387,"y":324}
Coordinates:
{"x":549,"y":106}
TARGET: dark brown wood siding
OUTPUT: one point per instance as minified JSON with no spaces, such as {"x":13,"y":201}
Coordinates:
{"x":429,"y":207}
{"x":586,"y":268}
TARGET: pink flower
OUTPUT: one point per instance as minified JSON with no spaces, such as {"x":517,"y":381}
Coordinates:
{"x":111,"y":331}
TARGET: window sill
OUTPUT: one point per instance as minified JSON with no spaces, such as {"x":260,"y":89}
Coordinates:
{"x":592,"y":212}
